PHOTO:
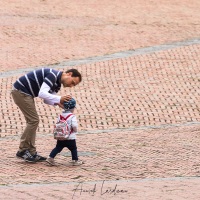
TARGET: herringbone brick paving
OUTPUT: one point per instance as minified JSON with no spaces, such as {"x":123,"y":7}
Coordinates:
{"x":138,"y":115}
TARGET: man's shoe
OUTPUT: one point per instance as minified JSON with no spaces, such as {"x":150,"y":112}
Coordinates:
{"x":39,"y":158}
{"x":20,"y":154}
{"x":28,"y":157}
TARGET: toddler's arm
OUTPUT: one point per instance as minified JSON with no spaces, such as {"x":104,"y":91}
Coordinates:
{"x":74,"y":124}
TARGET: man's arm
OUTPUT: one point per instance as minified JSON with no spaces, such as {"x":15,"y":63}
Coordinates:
{"x":52,"y":99}
{"x":60,"y":105}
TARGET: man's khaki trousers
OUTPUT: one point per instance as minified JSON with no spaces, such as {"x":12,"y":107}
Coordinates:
{"x":26,"y":104}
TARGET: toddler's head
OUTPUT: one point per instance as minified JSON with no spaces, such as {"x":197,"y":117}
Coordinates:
{"x":70,"y":105}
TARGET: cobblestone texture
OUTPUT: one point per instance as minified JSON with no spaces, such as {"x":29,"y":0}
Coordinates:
{"x":139,"y":114}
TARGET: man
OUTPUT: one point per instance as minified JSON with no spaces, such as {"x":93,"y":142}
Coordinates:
{"x":43,"y":83}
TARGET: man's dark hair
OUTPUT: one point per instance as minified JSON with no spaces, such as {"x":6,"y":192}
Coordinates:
{"x":75,"y":73}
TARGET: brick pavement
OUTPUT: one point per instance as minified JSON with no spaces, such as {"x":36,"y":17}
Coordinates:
{"x":156,"y":163}
{"x":146,"y":146}
{"x":143,"y":90}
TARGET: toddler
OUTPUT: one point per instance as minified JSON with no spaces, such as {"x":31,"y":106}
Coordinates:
{"x":70,"y":142}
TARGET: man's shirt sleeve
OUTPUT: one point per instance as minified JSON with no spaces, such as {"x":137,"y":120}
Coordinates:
{"x":50,"y":99}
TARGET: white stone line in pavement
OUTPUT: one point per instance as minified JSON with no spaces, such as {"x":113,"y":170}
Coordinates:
{"x":115,"y":130}
{"x":123,"y":54}
{"x":140,"y":128}
{"x":100,"y":181}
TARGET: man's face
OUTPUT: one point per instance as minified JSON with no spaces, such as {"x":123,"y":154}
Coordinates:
{"x":68,"y":81}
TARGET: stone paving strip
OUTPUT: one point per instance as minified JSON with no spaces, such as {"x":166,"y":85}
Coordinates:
{"x":123,"y":54}
{"x":142,"y":90}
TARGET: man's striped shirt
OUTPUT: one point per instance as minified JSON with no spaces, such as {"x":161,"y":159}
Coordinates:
{"x":31,"y":82}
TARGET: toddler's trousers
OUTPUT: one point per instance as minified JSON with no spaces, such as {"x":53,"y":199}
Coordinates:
{"x":70,"y":144}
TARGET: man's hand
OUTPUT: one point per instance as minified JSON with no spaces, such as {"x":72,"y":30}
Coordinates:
{"x":60,"y":105}
{"x":65,"y":98}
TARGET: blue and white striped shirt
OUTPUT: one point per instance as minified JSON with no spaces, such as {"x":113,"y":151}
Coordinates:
{"x":31,"y":83}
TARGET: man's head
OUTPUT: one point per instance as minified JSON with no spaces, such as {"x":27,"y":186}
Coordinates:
{"x":71,"y":78}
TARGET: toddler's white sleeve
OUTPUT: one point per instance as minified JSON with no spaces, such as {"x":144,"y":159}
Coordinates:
{"x":74,"y":124}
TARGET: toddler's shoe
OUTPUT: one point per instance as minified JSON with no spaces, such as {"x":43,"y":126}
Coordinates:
{"x":76,"y":162}
{"x":50,"y":161}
